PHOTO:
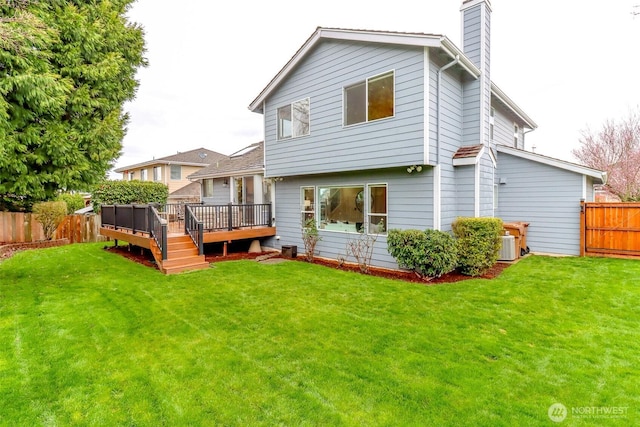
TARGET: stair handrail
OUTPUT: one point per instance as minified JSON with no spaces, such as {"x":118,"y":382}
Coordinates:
{"x":194,"y":228}
{"x":158,"y":230}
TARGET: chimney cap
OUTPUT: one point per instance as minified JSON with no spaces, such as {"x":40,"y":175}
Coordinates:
{"x":466,"y":4}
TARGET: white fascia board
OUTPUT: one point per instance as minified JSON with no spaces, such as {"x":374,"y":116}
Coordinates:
{"x":551,"y":161}
{"x":470,"y":3}
{"x":454,"y":51}
{"x":502,"y":97}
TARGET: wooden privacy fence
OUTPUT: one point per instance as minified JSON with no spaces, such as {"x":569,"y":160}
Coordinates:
{"x":19,"y":227}
{"x":610,"y":229}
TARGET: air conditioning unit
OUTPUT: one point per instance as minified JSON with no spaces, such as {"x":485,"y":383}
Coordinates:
{"x":508,"y":250}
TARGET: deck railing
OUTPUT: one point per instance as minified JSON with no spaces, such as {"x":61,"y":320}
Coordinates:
{"x":229,"y":217}
{"x":158,"y":230}
{"x":133,"y":218}
{"x":138,"y":219}
{"x":194,"y":228}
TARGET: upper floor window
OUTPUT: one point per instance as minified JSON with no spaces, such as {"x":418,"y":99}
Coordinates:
{"x":516,"y":135}
{"x":131,"y":175}
{"x":143,"y":174}
{"x":157,"y":173}
{"x":293,"y":119}
{"x":176,"y":172}
{"x":369,"y":100}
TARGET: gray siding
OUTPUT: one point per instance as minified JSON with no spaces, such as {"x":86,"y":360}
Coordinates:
{"x":503,"y":129}
{"x":221,"y":194}
{"x":486,"y":185}
{"x":410,"y":205}
{"x":330,"y":147}
{"x":465,"y":190}
{"x":545,"y":196}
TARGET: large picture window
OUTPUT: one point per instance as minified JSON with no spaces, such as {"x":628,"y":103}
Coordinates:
{"x":341,"y":208}
{"x":293,"y":119}
{"x":370,"y":100}
{"x":355,"y":208}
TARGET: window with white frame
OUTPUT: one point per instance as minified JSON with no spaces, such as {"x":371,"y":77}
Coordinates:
{"x":341,"y":208}
{"x":293,"y":119}
{"x":157,"y":173}
{"x":143,"y":174}
{"x":308,"y":208}
{"x":377,"y":212}
{"x":131,"y":176}
{"x":207,"y":187}
{"x":516,"y":135}
{"x":176,"y":172}
{"x":370,"y":100}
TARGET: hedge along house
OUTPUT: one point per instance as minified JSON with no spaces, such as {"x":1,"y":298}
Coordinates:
{"x":370,"y":130}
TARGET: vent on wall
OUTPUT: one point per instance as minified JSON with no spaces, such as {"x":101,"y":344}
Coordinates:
{"x":508,"y":250}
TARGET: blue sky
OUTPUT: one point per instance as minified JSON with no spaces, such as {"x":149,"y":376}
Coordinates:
{"x":569,"y":64}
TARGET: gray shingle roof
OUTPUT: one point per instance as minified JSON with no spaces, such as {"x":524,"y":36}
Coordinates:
{"x":249,"y":159}
{"x":199,"y":156}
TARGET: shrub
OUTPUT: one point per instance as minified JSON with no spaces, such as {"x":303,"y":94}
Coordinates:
{"x":73,"y":201}
{"x":362,"y":250}
{"x":310,"y":238}
{"x":128,"y":192}
{"x":429,"y":253}
{"x":50,"y":215}
{"x":478,"y":241}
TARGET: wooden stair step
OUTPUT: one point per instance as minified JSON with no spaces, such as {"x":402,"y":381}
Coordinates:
{"x":182,"y":253}
{"x":172,"y":262}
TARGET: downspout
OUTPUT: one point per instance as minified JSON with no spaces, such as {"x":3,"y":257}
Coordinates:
{"x":444,"y":68}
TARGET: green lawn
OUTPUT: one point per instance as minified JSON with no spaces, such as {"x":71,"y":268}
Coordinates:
{"x":90,"y":338}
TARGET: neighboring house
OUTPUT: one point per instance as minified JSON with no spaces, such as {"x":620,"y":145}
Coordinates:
{"x":373,"y":130}
{"x":173,"y":171}
{"x":237,"y":178}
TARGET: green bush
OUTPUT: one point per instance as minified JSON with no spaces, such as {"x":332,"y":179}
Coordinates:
{"x":73,"y":201}
{"x":50,"y":215}
{"x":478,"y":241}
{"x":429,"y":253}
{"x":128,"y":192}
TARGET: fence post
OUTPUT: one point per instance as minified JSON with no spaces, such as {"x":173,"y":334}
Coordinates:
{"x":583,"y":225}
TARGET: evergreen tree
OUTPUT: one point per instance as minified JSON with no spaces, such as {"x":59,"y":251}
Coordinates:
{"x":66,"y":69}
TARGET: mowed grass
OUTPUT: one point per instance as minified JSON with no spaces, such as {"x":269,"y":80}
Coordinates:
{"x":90,"y":338}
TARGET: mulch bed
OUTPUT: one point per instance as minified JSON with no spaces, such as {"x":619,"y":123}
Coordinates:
{"x":144,"y":257}
{"x":8,"y":249}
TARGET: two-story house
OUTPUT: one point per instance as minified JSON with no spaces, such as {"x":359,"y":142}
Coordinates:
{"x":367,"y":131}
{"x":173,"y":171}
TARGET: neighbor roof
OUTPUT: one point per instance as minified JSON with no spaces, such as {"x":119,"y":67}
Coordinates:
{"x":388,"y":37}
{"x":245,"y":161}
{"x":197,"y":157}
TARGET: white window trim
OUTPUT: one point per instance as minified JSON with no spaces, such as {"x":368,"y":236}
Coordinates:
{"x":366,"y":94}
{"x":367,"y":207}
{"x":292,"y":127}
{"x":315,"y":207}
{"x":171,"y":174}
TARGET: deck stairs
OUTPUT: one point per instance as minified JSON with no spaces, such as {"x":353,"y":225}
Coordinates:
{"x":182,"y":255}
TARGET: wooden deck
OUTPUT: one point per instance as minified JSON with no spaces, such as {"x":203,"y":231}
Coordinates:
{"x":182,"y":254}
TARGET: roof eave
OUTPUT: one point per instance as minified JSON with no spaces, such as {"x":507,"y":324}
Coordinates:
{"x":552,"y":161}
{"x":407,"y":39}
{"x":502,"y":97}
